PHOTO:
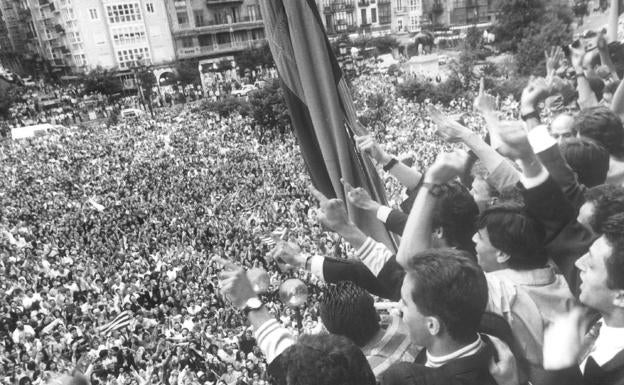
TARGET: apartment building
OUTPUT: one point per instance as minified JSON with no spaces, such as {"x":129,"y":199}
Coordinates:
{"x":78,"y":35}
{"x":214,"y":28}
{"x":355,"y":16}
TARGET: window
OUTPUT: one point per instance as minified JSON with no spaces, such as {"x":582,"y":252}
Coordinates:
{"x":130,"y":57}
{"x":199,"y":17}
{"x":150,"y":7}
{"x":128,"y":35}
{"x":93,"y":13}
{"x":363,"y":11}
{"x":123,"y":13}
{"x":252,"y":11}
{"x":187,"y":42}
{"x":182,"y":17}
{"x":373,"y":15}
{"x":385,"y":16}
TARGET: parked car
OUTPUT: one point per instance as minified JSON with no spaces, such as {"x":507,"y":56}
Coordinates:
{"x":132,"y":113}
{"x":244,"y":90}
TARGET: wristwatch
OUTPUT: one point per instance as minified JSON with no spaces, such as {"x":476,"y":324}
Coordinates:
{"x":252,"y":304}
{"x":531,"y":115}
{"x":390,"y":164}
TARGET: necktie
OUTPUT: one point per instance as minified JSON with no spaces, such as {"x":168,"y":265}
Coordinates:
{"x":587,"y":346}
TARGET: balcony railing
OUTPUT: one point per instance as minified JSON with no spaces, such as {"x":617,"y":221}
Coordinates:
{"x":212,"y":27}
{"x":217,"y":48}
{"x":363,"y":3}
{"x":338,"y":7}
{"x":179,"y":3}
{"x":222,"y":2}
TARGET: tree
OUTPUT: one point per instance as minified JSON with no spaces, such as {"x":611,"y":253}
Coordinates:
{"x":268,"y":108}
{"x":513,"y":18}
{"x":102,"y":81}
{"x":188,"y":72}
{"x":224,"y":65}
{"x":9,"y":94}
{"x":253,"y":57}
{"x":530,"y":54}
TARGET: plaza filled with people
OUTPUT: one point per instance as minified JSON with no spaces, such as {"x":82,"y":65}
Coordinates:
{"x":155,"y":249}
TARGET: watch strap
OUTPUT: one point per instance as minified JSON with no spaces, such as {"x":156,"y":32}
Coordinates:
{"x":388,"y":166}
{"x":531,"y":115}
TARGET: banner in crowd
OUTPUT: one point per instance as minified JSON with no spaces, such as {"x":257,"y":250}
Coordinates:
{"x":320,"y":106}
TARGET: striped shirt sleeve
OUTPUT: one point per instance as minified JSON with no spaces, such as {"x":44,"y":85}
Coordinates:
{"x":374,"y":255}
{"x":273,"y":339}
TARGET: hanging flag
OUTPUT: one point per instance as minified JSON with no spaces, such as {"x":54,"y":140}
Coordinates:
{"x":320,"y":106}
{"x":122,"y":320}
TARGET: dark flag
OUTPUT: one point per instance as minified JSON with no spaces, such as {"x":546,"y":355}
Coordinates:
{"x":320,"y":106}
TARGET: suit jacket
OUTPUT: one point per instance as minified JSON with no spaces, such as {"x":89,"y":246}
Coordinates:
{"x":563,"y":174}
{"x":611,"y":373}
{"x":466,"y":370}
{"x":566,"y":239}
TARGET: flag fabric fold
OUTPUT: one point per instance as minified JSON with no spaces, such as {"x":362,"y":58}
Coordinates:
{"x":320,"y":106}
{"x":122,"y":320}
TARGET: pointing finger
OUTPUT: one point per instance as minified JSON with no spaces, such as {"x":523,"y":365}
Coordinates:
{"x":317,"y":194}
{"x":347,"y":185}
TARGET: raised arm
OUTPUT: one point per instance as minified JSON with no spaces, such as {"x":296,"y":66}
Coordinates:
{"x":407,"y":176}
{"x":419,"y":227}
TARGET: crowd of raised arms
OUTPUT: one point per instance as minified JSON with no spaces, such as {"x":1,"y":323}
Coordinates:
{"x":124,"y":249}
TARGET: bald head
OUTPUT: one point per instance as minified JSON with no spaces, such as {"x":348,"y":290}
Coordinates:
{"x":561,"y":127}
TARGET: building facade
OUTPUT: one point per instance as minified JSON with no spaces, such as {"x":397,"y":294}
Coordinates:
{"x":355,"y":16}
{"x":79,"y":35}
{"x":18,"y":40}
{"x":214,"y":28}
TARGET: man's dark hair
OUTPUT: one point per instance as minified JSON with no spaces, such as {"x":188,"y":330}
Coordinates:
{"x":608,"y":199}
{"x":324,"y":360}
{"x":613,"y":230}
{"x":456,"y":212}
{"x":587,"y":158}
{"x":448,"y":284}
{"x":348,"y":310}
{"x":602,"y":125}
{"x":513,"y":231}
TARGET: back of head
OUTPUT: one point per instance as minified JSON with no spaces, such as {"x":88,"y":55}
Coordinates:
{"x":325,"y":360}
{"x":607,"y":200}
{"x":449,"y":285}
{"x":513,"y":231}
{"x":613,"y":229}
{"x":602,"y":125}
{"x":348,"y":310}
{"x":456,"y":212}
{"x":587,"y":158}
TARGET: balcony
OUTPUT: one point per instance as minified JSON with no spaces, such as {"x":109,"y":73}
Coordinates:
{"x":363,"y":3}
{"x":382,"y":2}
{"x":217,"y":3}
{"x":179,"y":3}
{"x":400,"y":10}
{"x":216,"y":49}
{"x":437,"y":8}
{"x":338,"y":7}
{"x":212,"y":27}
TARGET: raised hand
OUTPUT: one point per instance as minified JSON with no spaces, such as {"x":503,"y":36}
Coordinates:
{"x":553,"y":59}
{"x":448,"y":129}
{"x":332,"y":213}
{"x":288,"y":253}
{"x":563,"y":340}
{"x":515,"y":143}
{"x":235,"y":284}
{"x":447,"y":166}
{"x":484,"y":102}
{"x":368,"y":145}
{"x":535,"y":92}
{"x":359,"y":197}
{"x":505,"y":370}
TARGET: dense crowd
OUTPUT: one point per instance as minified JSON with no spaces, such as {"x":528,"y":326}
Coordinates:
{"x":122,"y":246}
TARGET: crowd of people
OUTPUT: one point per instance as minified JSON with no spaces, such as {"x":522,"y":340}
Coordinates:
{"x":125,"y":249}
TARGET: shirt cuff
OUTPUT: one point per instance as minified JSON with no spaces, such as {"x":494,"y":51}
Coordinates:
{"x":535,"y":181}
{"x":540,"y":139}
{"x":316,"y":266}
{"x":373,"y":255}
{"x":273,"y":339}
{"x":383,"y":212}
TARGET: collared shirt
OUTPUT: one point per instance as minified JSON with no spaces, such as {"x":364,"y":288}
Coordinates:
{"x":610,"y":342}
{"x":468,"y":350}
